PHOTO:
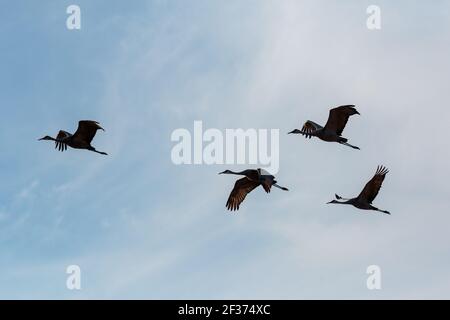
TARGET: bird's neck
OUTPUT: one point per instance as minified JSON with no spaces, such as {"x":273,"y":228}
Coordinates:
{"x":241,"y":173}
{"x":349,"y":201}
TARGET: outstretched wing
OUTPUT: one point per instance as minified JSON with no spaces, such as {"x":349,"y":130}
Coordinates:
{"x":266,"y":179}
{"x":242,"y":187}
{"x":60,"y":144}
{"x":310,"y":127}
{"x":372,"y":187}
{"x":87,"y":130}
{"x":338,"y":118}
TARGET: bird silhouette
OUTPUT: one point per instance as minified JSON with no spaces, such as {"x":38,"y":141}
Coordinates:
{"x":252,"y":179}
{"x":81,"y":139}
{"x":368,"y":194}
{"x":333,"y":128}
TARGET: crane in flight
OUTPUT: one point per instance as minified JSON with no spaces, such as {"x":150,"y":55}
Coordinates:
{"x":333,"y":128}
{"x":81,"y":139}
{"x":368,"y":194}
{"x":252,"y":179}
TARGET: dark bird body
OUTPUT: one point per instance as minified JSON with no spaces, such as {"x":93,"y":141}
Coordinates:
{"x":252,"y":179}
{"x":81,"y":139}
{"x":334,"y":127}
{"x":368,"y":194}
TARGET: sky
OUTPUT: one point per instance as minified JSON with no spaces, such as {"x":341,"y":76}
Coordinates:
{"x":141,"y":227}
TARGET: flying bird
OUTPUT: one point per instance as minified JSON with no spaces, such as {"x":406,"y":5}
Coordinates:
{"x":81,"y":139}
{"x":333,"y":128}
{"x":369,"y":193}
{"x":252,"y":179}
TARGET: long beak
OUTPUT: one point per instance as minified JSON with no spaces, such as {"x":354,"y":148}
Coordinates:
{"x":221,"y":172}
{"x":358,"y":113}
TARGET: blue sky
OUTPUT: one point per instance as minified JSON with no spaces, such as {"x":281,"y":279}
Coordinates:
{"x":141,"y":227}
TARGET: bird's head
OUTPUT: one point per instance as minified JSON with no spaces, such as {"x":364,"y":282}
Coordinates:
{"x":226,"y":172}
{"x":46,"y":138}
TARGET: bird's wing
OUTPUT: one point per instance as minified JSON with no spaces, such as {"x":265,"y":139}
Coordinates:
{"x":372,"y":187}
{"x":59,"y":144}
{"x":267,"y":180}
{"x":62,"y":135}
{"x":338,"y":118}
{"x":263,"y":172}
{"x":310,"y":127}
{"x":242,"y":187}
{"x":87,"y":130}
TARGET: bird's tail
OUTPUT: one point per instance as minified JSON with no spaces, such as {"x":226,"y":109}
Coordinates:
{"x":280,"y":187}
{"x":344,"y":142}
